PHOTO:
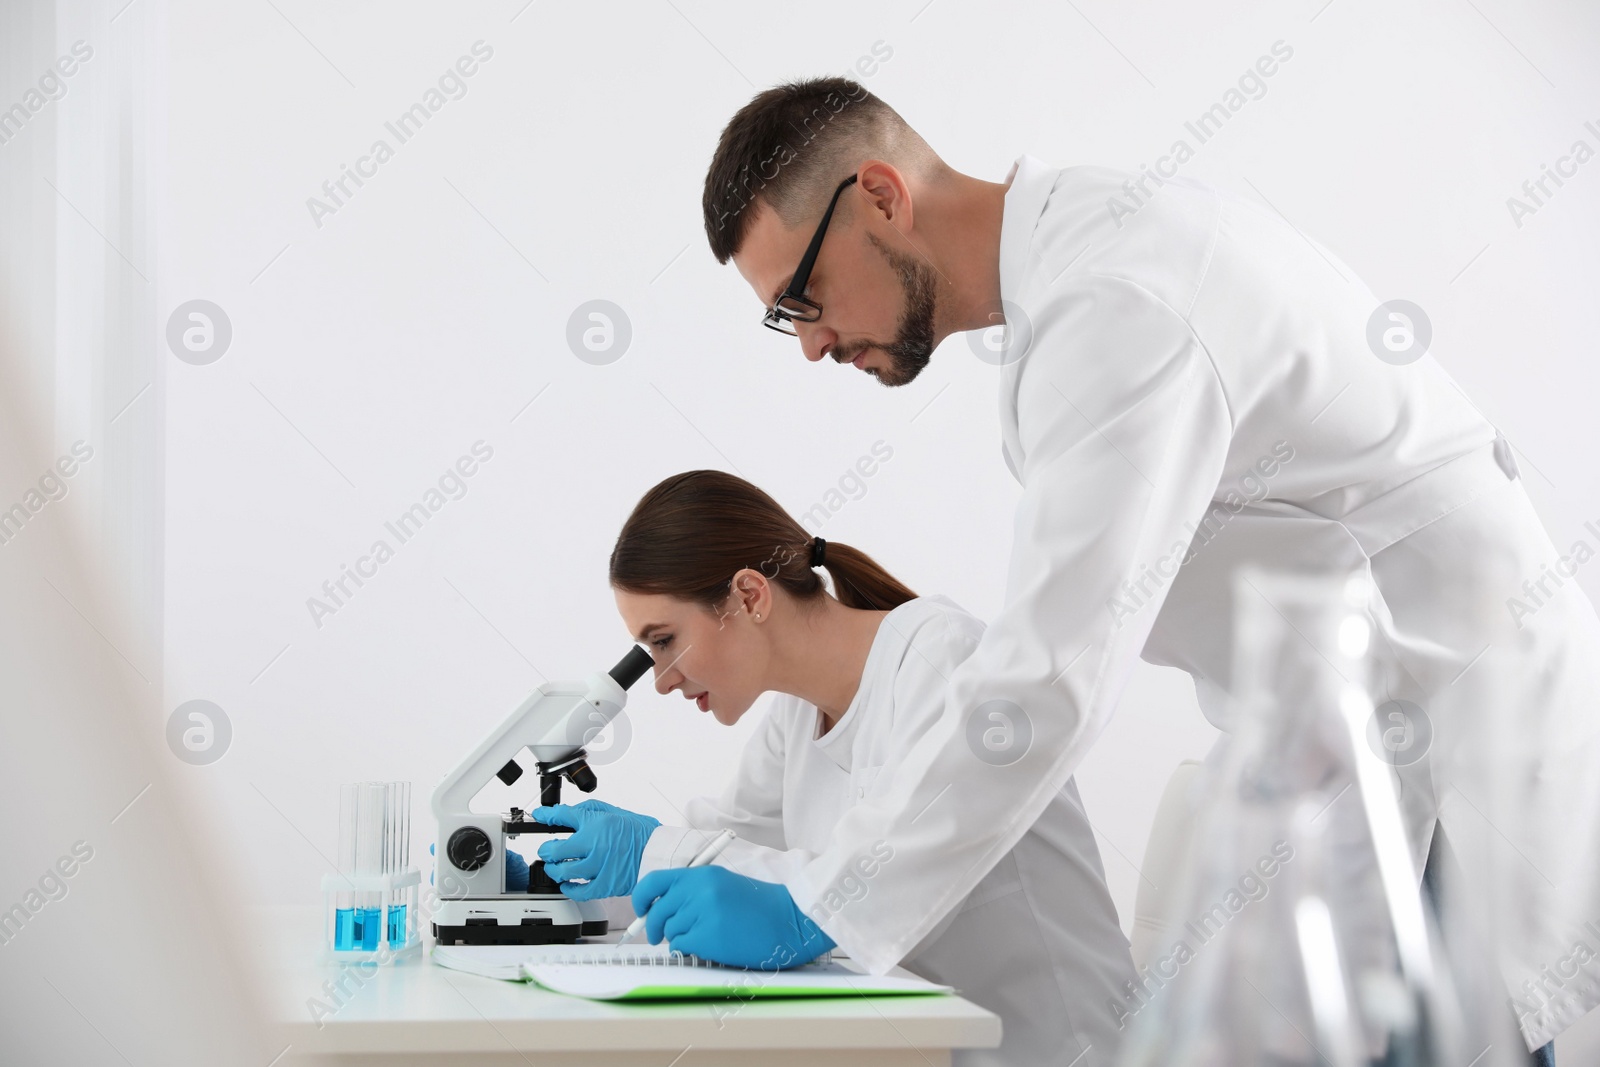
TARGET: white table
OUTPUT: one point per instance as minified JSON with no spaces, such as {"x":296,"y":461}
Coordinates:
{"x":414,"y":1013}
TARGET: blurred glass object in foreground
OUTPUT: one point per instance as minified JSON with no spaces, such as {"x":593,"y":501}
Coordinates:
{"x":1298,"y":933}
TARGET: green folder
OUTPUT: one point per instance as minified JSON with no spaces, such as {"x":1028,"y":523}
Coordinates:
{"x":657,"y":982}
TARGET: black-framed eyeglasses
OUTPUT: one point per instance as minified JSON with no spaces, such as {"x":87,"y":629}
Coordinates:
{"x":793,"y":306}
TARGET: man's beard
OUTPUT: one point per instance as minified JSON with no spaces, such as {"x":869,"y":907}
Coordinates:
{"x":913,"y":345}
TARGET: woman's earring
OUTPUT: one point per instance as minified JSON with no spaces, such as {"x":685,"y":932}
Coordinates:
{"x":758,"y":616}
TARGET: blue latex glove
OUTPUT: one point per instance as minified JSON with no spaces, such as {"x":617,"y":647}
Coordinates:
{"x":727,"y":918}
{"x":604,"y":849}
{"x":516,"y":872}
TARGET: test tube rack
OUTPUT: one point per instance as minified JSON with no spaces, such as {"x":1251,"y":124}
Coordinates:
{"x":383,"y":934}
{"x":370,"y":902}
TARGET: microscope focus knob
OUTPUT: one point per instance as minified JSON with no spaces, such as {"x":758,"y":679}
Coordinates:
{"x":540,"y":883}
{"x":469,"y":848}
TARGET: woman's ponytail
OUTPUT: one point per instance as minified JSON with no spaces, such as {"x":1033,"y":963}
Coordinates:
{"x":690,"y":534}
{"x":858,"y":580}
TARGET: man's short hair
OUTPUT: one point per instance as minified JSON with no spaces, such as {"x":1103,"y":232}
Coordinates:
{"x":791,"y":146}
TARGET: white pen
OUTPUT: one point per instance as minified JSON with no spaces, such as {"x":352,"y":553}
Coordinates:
{"x":712,"y":850}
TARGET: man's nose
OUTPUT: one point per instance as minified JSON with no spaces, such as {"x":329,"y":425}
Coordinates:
{"x":815,"y":341}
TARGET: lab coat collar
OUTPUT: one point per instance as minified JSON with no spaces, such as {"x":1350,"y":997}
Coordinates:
{"x":1031,"y":183}
{"x":838,"y":744}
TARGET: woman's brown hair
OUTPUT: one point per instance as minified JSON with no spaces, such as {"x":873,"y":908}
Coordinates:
{"x":689,"y":535}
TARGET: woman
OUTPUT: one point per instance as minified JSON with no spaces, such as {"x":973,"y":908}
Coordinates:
{"x":722,"y":586}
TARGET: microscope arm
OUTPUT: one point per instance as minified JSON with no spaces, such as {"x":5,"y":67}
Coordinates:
{"x":554,"y":722}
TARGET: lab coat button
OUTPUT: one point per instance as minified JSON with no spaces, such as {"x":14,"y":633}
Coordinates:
{"x":1504,"y":456}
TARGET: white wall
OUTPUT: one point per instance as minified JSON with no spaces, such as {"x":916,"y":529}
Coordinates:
{"x":372,"y":350}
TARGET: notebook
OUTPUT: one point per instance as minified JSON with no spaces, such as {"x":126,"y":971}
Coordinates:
{"x":506,"y":961}
{"x":654,"y":972}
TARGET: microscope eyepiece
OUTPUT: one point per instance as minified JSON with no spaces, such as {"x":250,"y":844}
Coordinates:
{"x":632,"y":667}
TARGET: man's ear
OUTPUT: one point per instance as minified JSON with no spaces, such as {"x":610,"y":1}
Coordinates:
{"x":883,"y":189}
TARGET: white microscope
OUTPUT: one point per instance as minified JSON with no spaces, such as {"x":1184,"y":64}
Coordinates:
{"x":554,"y":724}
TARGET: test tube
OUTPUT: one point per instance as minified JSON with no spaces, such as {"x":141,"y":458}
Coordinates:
{"x":405,"y":854}
{"x":344,"y":914}
{"x":405,"y":826}
{"x":399,"y":854}
{"x":391,"y":800}
{"x":369,"y":861}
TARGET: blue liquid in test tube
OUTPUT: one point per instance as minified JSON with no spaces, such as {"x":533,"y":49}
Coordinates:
{"x":397,"y":853}
{"x":371,"y":836}
{"x":344,"y":929}
{"x":346,"y":932}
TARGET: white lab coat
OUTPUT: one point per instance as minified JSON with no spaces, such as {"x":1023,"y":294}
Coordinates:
{"x":1036,"y":938}
{"x":1174,"y":358}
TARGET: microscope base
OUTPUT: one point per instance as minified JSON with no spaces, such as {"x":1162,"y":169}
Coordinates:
{"x":515,"y":920}
{"x":492,"y":933}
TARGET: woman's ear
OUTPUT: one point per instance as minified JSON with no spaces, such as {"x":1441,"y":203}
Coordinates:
{"x":753,"y":593}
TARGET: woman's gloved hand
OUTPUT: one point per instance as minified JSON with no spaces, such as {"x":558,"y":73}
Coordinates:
{"x":727,"y":918}
{"x":516,"y":872}
{"x":604,"y":850}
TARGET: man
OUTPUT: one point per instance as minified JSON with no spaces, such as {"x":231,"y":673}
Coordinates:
{"x":1188,"y":387}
